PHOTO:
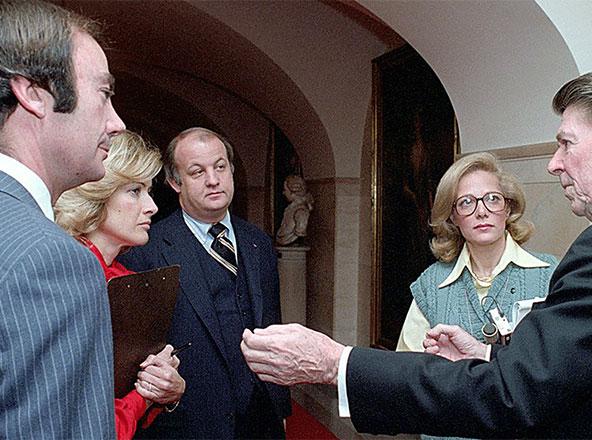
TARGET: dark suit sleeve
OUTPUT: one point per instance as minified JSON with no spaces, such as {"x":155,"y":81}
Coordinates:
{"x":537,"y":386}
{"x":139,"y":258}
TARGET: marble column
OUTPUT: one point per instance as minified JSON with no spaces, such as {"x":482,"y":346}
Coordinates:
{"x":292,"y":271}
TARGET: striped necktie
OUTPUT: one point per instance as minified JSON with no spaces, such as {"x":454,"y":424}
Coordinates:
{"x":222,"y":248}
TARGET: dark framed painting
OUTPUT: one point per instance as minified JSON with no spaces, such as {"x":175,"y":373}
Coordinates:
{"x":415,"y":140}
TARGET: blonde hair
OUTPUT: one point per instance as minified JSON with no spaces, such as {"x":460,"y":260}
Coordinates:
{"x":448,"y":241}
{"x":81,"y":210}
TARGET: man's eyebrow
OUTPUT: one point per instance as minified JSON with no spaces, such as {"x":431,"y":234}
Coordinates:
{"x":109,"y":79}
{"x":564,"y":135}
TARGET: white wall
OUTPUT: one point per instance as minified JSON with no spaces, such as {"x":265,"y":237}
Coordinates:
{"x":323,"y":53}
{"x":501,"y":62}
{"x":572,"y":20}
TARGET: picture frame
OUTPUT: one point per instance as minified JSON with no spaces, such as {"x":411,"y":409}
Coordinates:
{"x":415,"y":140}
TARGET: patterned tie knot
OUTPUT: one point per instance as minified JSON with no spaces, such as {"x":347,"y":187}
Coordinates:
{"x":217,"y":229}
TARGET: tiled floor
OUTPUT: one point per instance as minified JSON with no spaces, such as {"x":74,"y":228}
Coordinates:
{"x":321,"y":401}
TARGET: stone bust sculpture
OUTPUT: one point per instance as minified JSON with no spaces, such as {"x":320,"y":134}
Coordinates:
{"x":295,"y":220}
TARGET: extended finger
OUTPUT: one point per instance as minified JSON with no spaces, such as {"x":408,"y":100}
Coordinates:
{"x":255,"y":341}
{"x":429,"y":342}
{"x":253,"y":353}
{"x":165,"y":353}
{"x":148,"y":360}
{"x":273,"y":329}
{"x":440,"y":329}
{"x":432,"y":350}
{"x":155,"y":361}
{"x":158,"y":376}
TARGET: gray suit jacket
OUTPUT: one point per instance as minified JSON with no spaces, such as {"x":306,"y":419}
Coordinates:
{"x":56,"y":361}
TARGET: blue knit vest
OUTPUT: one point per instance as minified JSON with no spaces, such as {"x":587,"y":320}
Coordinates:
{"x":458,"y":303}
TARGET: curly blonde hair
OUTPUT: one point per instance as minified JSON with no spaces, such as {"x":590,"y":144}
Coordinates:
{"x":81,"y":210}
{"x":448,"y":241}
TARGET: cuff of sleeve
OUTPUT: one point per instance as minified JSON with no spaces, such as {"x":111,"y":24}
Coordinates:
{"x":341,"y":383}
{"x":488,"y":353}
{"x":135,"y":403}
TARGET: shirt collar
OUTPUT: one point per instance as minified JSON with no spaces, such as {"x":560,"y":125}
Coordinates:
{"x":31,"y":181}
{"x":200,"y":229}
{"x":513,"y":253}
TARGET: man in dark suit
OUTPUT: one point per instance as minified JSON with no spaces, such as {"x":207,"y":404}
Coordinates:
{"x":229,"y":282}
{"x":537,"y":386}
{"x":56,"y":121}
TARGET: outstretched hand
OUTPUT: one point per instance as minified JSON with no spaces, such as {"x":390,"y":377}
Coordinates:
{"x":452,"y":342}
{"x":158,"y":380}
{"x":290,"y":354}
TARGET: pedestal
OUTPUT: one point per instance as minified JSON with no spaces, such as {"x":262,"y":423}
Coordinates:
{"x":292,"y":271}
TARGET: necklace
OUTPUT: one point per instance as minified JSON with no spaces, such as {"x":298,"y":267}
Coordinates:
{"x":484,"y":279}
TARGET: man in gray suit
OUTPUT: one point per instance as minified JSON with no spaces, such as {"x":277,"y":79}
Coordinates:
{"x":56,"y":121}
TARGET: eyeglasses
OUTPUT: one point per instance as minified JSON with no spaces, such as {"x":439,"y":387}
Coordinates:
{"x":493,"y":202}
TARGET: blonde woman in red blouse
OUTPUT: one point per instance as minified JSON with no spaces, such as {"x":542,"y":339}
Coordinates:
{"x":108,"y":217}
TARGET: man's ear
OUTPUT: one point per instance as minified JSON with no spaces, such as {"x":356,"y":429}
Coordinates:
{"x":176,"y":187}
{"x":30,"y":96}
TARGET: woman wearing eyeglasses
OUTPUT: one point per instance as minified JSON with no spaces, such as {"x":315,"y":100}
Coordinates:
{"x":478,"y":233}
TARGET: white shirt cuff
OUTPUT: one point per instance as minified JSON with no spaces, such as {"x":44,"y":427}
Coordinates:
{"x":488,"y":353}
{"x":341,"y":385}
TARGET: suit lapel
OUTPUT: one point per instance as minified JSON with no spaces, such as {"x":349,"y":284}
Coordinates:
{"x":249,"y":258}
{"x":181,"y":247}
{"x":13,"y":188}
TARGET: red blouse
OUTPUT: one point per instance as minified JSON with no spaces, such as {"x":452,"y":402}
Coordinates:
{"x":129,"y":409}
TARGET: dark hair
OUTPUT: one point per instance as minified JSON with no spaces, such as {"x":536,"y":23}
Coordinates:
{"x":36,"y":43}
{"x":202,"y":134}
{"x":577,"y":92}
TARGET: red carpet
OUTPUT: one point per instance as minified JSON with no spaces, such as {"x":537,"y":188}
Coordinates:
{"x":301,"y":425}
